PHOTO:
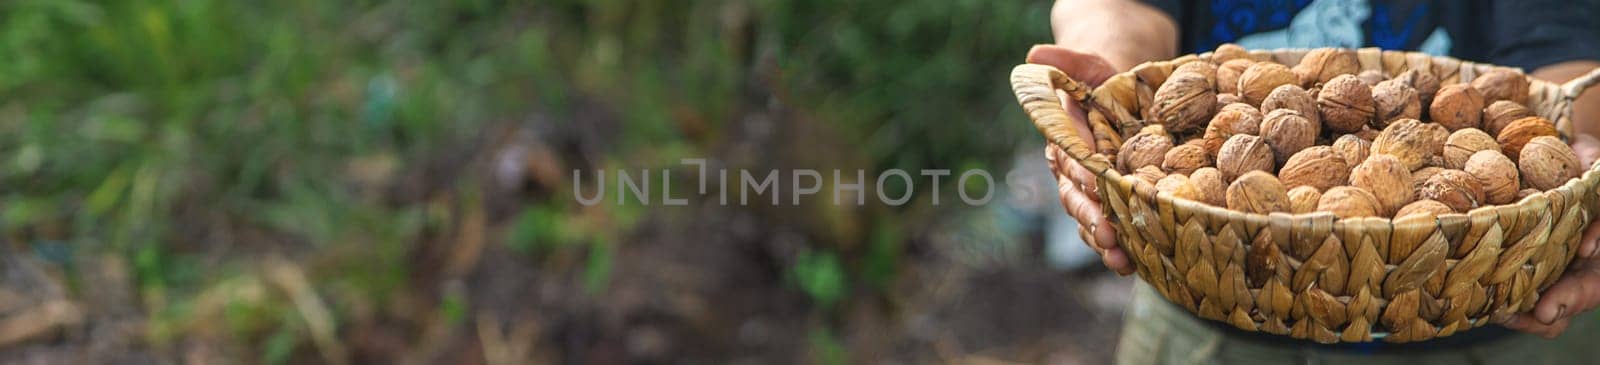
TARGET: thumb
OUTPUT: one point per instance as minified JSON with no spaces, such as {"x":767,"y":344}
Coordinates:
{"x":1088,"y":68}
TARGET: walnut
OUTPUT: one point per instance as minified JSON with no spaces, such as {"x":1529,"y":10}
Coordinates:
{"x":1207,"y":182}
{"x":1149,"y":174}
{"x":1350,"y":202}
{"x":1320,"y":167}
{"x":1233,"y":119}
{"x":1294,"y":98}
{"x":1426,"y":84}
{"x":1303,"y":199}
{"x":1394,"y":100}
{"x":1185,"y":158}
{"x":1229,"y":52}
{"x":1457,"y":189}
{"x":1155,"y":129}
{"x":1322,"y":65}
{"x":1372,"y":77}
{"x":1257,"y":192}
{"x":1525,"y":193}
{"x":1421,"y":176}
{"x":1203,"y":68}
{"x":1228,"y":74}
{"x":1457,"y":106}
{"x":1409,"y":140}
{"x":1287,"y":132}
{"x":1430,"y":207}
{"x":1227,"y":98}
{"x":1435,"y":161}
{"x":1183,"y":102}
{"x":1502,"y":84}
{"x":1547,"y":163}
{"x":1387,"y":178}
{"x":1144,"y":149}
{"x":1172,"y":183}
{"x":1368,"y":134}
{"x":1463,"y":143}
{"x":1352,"y":148}
{"x":1501,"y":113}
{"x":1520,"y":131}
{"x":1346,"y":104}
{"x":1243,"y":153}
{"x":1496,"y":173}
{"x":1261,"y":78}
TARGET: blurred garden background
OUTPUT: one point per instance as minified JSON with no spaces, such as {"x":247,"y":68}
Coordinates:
{"x":298,"y":181}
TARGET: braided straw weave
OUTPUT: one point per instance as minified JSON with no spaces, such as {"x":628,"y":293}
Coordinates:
{"x":1314,"y":276}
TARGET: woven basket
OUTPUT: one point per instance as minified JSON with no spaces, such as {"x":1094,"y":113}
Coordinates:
{"x":1314,"y":276}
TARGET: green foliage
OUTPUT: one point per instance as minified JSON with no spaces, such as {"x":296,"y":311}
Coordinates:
{"x":540,"y":228}
{"x":597,"y":271}
{"x":821,"y":276}
{"x":280,"y":346}
{"x":825,"y":348}
{"x":923,"y":83}
{"x":189,"y":135}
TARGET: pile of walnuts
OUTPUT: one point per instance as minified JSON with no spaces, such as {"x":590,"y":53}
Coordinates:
{"x":1262,"y":137}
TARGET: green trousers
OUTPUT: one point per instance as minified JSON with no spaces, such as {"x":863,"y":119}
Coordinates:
{"x":1156,"y":331}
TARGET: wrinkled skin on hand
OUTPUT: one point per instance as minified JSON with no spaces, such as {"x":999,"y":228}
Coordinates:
{"x":1077,"y":184}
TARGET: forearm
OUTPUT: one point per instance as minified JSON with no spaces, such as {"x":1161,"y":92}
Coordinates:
{"x":1586,"y":109}
{"x":1124,"y":32}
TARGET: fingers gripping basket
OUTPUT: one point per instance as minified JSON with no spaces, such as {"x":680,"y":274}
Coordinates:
{"x":1315,"y":276}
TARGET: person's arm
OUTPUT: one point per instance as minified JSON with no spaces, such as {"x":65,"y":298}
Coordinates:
{"x":1094,"y":40}
{"x":1124,"y":32}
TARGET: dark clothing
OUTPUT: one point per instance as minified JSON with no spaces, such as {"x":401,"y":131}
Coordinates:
{"x":1526,"y":34}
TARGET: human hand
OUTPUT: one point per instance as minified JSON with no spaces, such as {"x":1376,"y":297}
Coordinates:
{"x":1076,"y":183}
{"x":1578,"y":290}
